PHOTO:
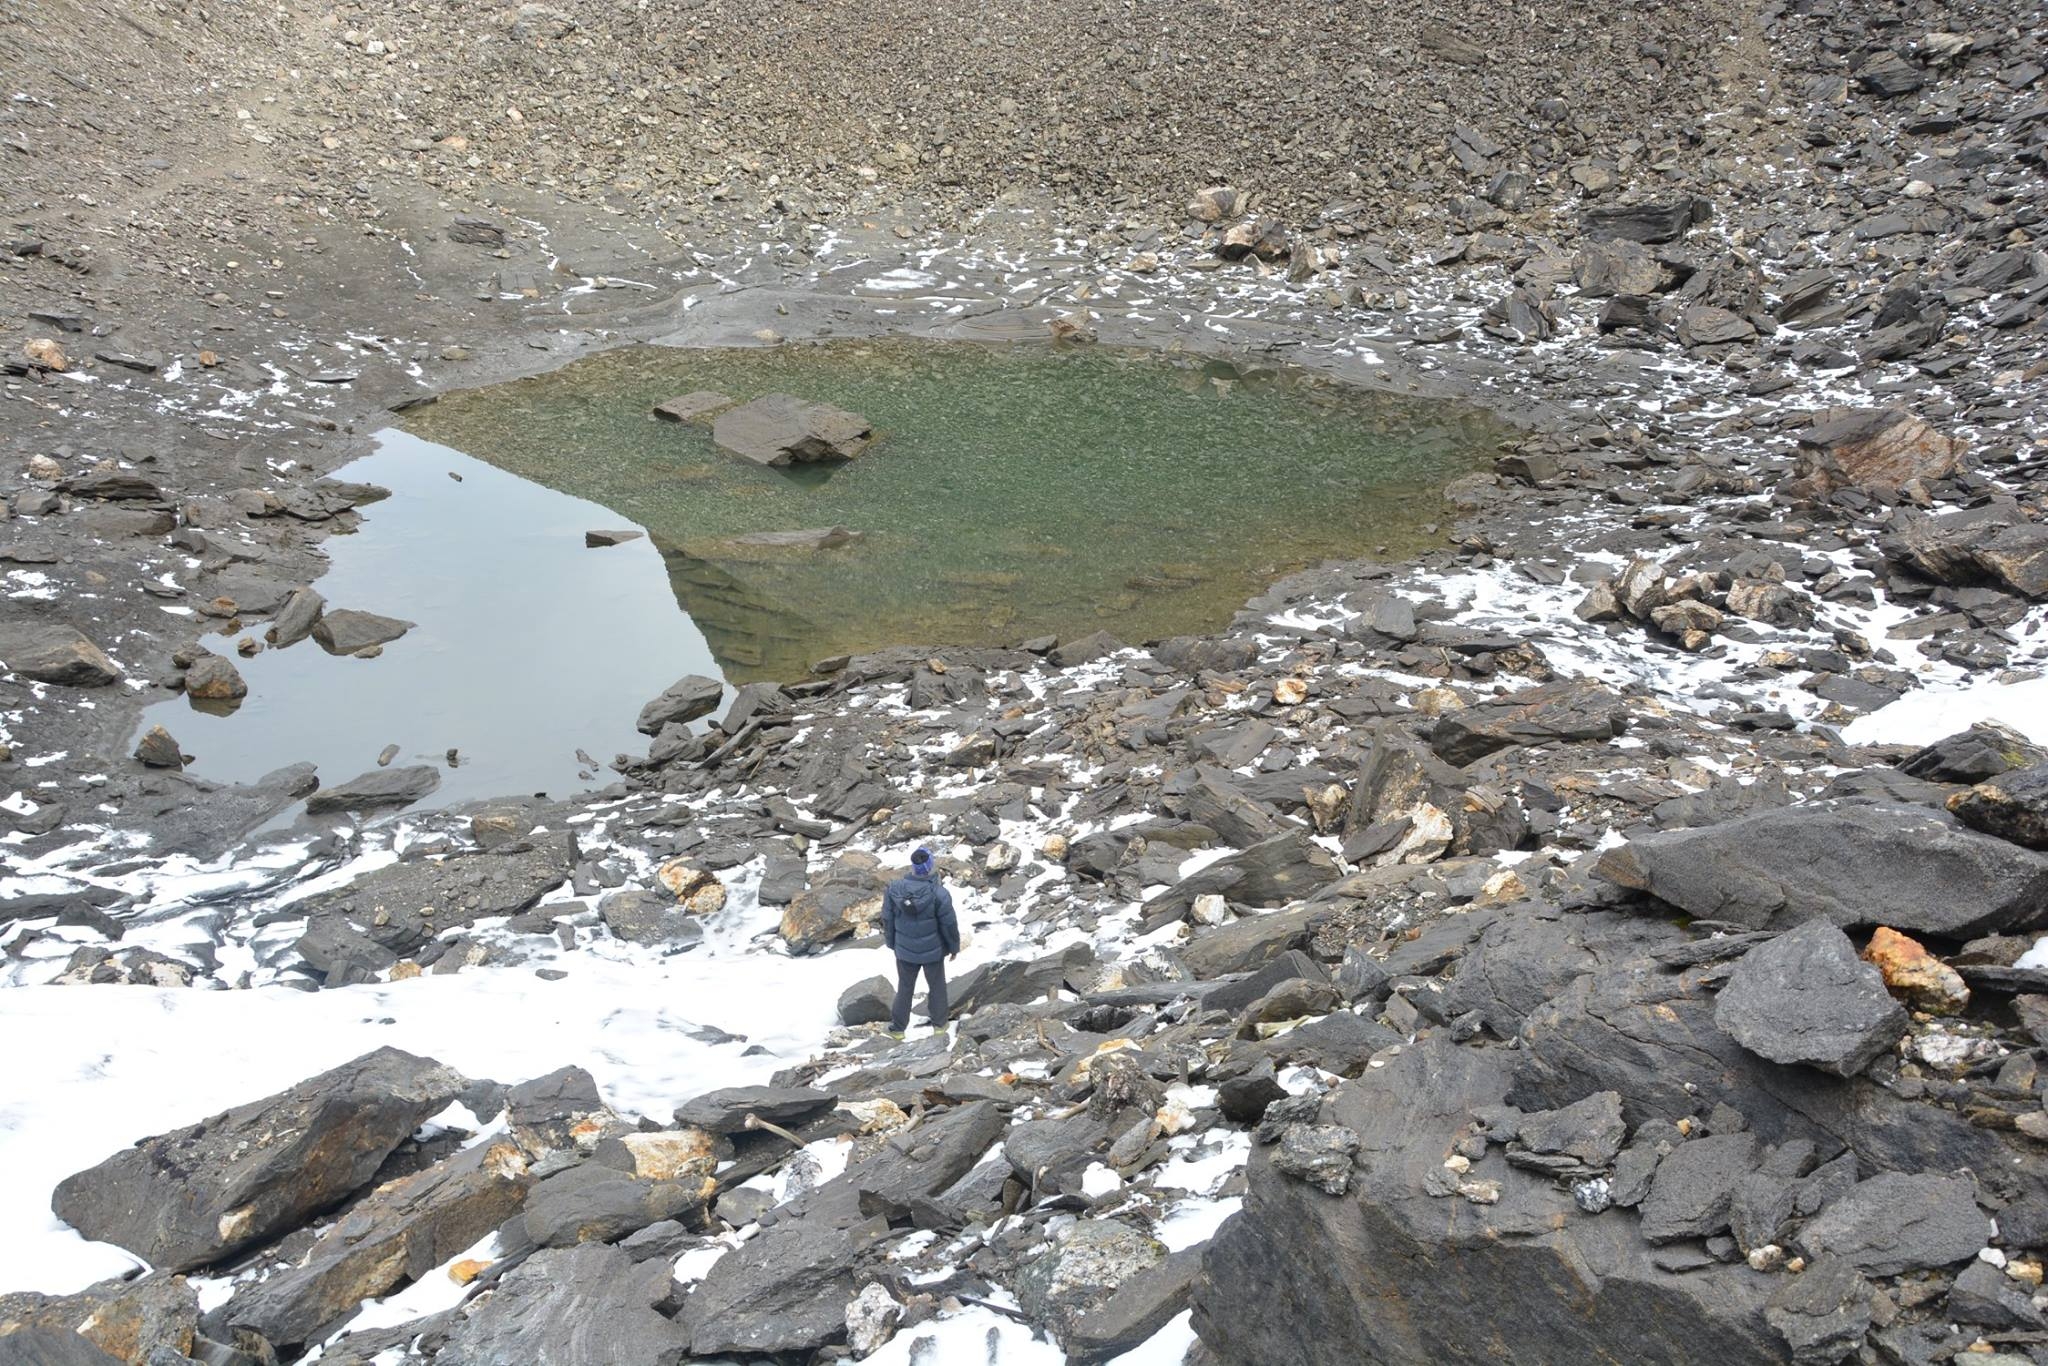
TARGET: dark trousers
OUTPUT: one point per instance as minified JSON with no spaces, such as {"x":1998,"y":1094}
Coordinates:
{"x":906,"y":983}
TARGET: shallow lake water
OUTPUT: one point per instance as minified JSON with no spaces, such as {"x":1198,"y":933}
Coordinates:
{"x":527,"y":647}
{"x":1013,"y":490}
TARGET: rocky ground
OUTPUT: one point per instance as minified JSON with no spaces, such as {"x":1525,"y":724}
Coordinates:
{"x":1606,"y":938}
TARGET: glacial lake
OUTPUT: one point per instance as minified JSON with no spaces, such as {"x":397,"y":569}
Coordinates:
{"x":1012,"y":491}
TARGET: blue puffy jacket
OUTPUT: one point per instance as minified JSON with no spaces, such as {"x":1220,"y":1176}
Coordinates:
{"x":917,"y":919}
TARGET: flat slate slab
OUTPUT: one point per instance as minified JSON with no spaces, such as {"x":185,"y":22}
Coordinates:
{"x":781,"y":429}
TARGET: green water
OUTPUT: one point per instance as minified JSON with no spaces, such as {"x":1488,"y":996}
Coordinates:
{"x":1013,"y":490}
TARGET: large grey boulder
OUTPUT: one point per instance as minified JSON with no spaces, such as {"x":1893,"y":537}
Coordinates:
{"x":1138,"y":1307}
{"x":1576,"y":710}
{"x":781,"y":429}
{"x":190,"y":1197}
{"x":589,"y":1303}
{"x":379,"y":789}
{"x":1881,"y":450}
{"x":1389,"y":1274}
{"x":1897,"y":1222}
{"x":1913,"y":868}
{"x":639,"y":916}
{"x":1806,"y":997}
{"x":394,"y":1236}
{"x":1985,"y":545}
{"x":1647,"y":1031}
{"x":688,"y":698}
{"x":1273,"y":872}
{"x":402,"y":905}
{"x":591,"y":1203}
{"x":50,"y":653}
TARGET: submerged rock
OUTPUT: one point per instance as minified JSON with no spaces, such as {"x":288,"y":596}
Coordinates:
{"x":781,"y":429}
{"x":191,"y":1197}
{"x":690,"y":407}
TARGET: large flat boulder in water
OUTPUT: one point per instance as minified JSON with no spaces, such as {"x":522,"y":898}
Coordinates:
{"x":781,"y":429}
{"x":1913,"y":868}
{"x":377,"y":789}
{"x":193,"y":1196}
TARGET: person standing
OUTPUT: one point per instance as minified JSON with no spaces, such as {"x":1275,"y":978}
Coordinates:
{"x":919,"y":927}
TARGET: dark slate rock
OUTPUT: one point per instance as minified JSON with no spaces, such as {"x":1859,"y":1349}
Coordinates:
{"x":1897,"y":1222}
{"x":1822,"y":1313}
{"x":1590,"y":1131}
{"x":379,"y":789}
{"x":1648,"y":1032}
{"x":1289,"y":966}
{"x":1577,"y":710}
{"x":1243,"y":1098}
{"x":726,"y":1111}
{"x":1694,"y":1187}
{"x":1973,"y":755}
{"x":1340,"y":1042}
{"x":1083,"y":650}
{"x":687,"y":699}
{"x":1806,"y":997}
{"x":1247,"y":943}
{"x":1136,"y":1310}
{"x":193,"y":1196}
{"x":2012,"y":806}
{"x":1986,"y":1296}
{"x":545,"y":1112}
{"x":639,"y":916}
{"x":1303,"y":1278}
{"x":1664,"y":221}
{"x":398,"y":1233}
{"x":589,"y":1303}
{"x":52,"y":1347}
{"x":867,"y":1002}
{"x":1273,"y":872}
{"x":594,"y":1203}
{"x":1915,"y":869}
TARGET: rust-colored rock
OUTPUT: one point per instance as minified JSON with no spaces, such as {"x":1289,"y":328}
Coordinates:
{"x":699,"y":890}
{"x":1915,"y":975}
{"x":1882,"y":450}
